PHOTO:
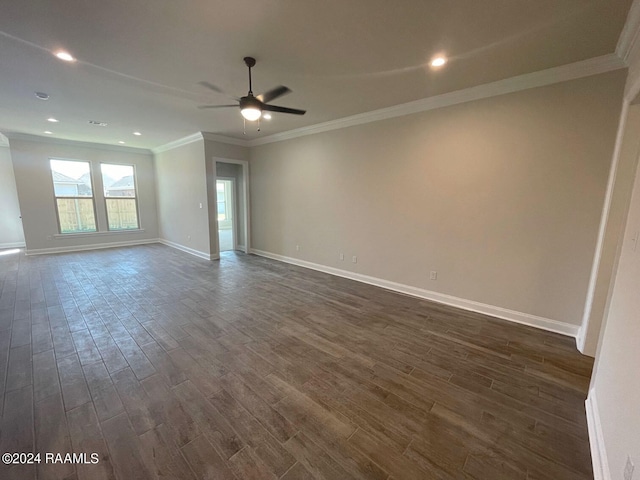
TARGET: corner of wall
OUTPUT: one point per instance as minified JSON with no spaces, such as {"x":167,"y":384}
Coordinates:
{"x":596,"y":439}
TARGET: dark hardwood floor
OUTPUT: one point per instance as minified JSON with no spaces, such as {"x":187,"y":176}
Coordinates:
{"x":168,"y":366}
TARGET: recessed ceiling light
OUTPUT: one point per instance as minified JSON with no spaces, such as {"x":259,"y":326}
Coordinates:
{"x":121,"y":142}
{"x":137,"y":133}
{"x":52,"y":120}
{"x":438,"y":61}
{"x":42,"y":95}
{"x":97,"y":123}
{"x":266,"y":116}
{"x":48,"y":132}
{"x":66,"y":56}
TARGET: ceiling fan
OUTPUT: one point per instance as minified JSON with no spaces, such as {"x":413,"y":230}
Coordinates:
{"x":251,"y":107}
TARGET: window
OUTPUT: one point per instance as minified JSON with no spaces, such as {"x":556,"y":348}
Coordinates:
{"x":74,"y":196}
{"x":119,"y":184}
{"x":222,"y":201}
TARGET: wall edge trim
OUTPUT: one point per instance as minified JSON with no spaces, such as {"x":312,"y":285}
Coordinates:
{"x":191,"y":251}
{"x":95,"y":246}
{"x":12,"y":245}
{"x":596,"y":438}
{"x":464,"y":304}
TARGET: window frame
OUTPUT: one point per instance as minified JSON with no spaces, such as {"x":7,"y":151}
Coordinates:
{"x":135,"y":198}
{"x":77,"y":197}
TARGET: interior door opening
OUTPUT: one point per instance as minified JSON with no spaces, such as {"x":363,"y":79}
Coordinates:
{"x":225,"y":191}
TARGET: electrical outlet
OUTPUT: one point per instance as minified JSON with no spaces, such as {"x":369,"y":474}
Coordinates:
{"x":342,"y":256}
{"x":297,"y":248}
{"x":354,"y":259}
{"x":628,"y":469}
{"x":200,"y":205}
{"x":434,"y":275}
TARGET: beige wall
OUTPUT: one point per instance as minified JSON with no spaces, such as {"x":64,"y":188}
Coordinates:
{"x":615,"y":221}
{"x":615,"y":384}
{"x":11,"y":234}
{"x":502,"y":196}
{"x":35,"y":193}
{"x":183,"y":205}
{"x":185,"y":180}
{"x":215,"y":151}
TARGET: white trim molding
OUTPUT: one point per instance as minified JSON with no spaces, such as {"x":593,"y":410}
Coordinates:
{"x":81,"y":248}
{"x":572,"y":71}
{"x":191,"y":251}
{"x":596,"y":439}
{"x":464,"y":304}
{"x":12,"y":245}
{"x":199,"y":136}
{"x":563,"y":73}
{"x":214,"y":137}
{"x":75,"y":143}
{"x":178,"y":143}
{"x":630,"y":32}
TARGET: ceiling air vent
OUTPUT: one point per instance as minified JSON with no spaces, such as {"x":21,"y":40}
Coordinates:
{"x":99,"y":124}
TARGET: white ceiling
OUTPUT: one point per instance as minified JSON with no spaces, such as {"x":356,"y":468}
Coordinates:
{"x":140,"y":61}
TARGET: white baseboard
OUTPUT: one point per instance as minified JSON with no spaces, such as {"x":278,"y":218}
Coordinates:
{"x":191,"y":251}
{"x":596,"y":439}
{"x":80,"y":248}
{"x":12,"y":245}
{"x":499,"y":312}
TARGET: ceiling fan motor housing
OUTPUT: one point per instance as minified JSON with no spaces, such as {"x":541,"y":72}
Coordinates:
{"x":250,"y":102}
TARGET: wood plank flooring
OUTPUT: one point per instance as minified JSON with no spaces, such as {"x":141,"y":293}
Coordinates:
{"x":168,"y":366}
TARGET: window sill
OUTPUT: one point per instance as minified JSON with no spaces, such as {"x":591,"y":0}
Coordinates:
{"x":98,"y":234}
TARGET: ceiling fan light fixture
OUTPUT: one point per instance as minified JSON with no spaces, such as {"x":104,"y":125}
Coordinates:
{"x":251,"y":113}
{"x":66,"y":56}
{"x":438,"y":61}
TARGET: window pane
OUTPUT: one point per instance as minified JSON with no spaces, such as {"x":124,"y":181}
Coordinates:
{"x":71,"y":178}
{"x":76,"y":215}
{"x":222,"y":211}
{"x":122,"y":213}
{"x":118,"y":180}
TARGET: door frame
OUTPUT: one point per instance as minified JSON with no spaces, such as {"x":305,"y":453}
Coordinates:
{"x":246,"y":248}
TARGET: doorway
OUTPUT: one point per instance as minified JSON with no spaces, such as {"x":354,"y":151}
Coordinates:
{"x":232,"y":198}
{"x":225,"y":196}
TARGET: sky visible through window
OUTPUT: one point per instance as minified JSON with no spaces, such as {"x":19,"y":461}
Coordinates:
{"x":69,"y":168}
{"x":75,"y":169}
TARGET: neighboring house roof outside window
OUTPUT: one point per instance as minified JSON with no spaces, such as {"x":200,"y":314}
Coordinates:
{"x":124,"y":187}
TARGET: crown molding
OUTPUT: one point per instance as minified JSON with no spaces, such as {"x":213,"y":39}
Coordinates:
{"x":74,"y":143}
{"x":572,"y":71}
{"x":178,"y":143}
{"x":214,"y":137}
{"x":224,"y":139}
{"x":630,"y":33}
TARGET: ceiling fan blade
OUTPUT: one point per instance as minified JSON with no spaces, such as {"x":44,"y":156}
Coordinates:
{"x":215,"y":106}
{"x":274,"y":108}
{"x":216,"y":89}
{"x":273,"y":94}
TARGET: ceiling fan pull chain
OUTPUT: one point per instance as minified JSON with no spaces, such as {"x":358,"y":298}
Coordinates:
{"x":244,"y":126}
{"x":258,"y":124}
